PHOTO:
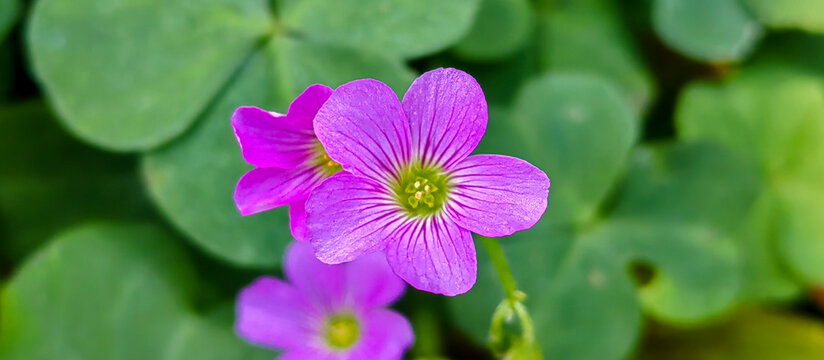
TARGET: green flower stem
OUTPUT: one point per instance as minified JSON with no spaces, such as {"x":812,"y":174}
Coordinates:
{"x":425,"y":320}
{"x":428,"y":333}
{"x":496,"y":253}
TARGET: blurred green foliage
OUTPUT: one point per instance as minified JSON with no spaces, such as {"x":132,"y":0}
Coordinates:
{"x":684,"y":140}
{"x":8,"y":13}
{"x":110,"y":291}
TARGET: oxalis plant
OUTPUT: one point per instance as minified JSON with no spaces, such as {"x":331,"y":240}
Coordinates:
{"x":369,"y":179}
{"x":364,"y":173}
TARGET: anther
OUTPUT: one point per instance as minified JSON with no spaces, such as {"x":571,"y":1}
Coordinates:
{"x":429,"y":200}
{"x":413,"y":201}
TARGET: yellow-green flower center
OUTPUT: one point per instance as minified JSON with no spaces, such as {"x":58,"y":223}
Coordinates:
{"x":341,"y":331}
{"x":421,"y":190}
{"x":324,"y":163}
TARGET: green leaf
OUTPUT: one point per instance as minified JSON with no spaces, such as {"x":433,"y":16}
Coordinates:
{"x":131,"y":75}
{"x":8,"y":14}
{"x":771,"y":114}
{"x":704,"y":184}
{"x":404,"y":28}
{"x":698,"y":183}
{"x":587,"y":310}
{"x":593,"y":297}
{"x":584,"y":300}
{"x":764,"y":274}
{"x":570,"y":124}
{"x":789,"y":14}
{"x":49,"y":181}
{"x":589,"y":36}
{"x":193,"y":179}
{"x":108,"y":291}
{"x":706,"y":30}
{"x":796,"y":50}
{"x":486,"y":40}
{"x":701,"y":183}
{"x":755,"y":334}
{"x":802,"y":230}
{"x":775,"y":116}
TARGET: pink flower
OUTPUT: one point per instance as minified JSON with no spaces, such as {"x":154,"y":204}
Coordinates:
{"x":410,"y":187}
{"x":289,"y":158}
{"x":326,"y":312}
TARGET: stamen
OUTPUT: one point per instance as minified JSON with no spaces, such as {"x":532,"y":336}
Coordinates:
{"x":324,"y":163}
{"x":429,"y":199}
{"x":413,"y":201}
{"x":422,"y":189}
{"x":342,"y":331}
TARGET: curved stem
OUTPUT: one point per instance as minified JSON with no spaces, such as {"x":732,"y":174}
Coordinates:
{"x":496,"y":253}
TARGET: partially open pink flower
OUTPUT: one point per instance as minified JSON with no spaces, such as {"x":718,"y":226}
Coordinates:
{"x":326,"y":312}
{"x":289,"y":158}
{"x":410,"y":186}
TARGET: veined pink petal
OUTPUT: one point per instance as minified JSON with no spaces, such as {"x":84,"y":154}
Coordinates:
{"x":386,"y":336}
{"x":362,"y":127}
{"x":349,"y":216}
{"x":434,"y":254}
{"x":297,"y":220}
{"x":262,"y":317}
{"x":496,"y":195}
{"x":267,"y":188}
{"x":269,"y":140}
{"x":371,"y":282}
{"x":303,"y":109}
{"x":322,"y":285}
{"x":447,"y":115}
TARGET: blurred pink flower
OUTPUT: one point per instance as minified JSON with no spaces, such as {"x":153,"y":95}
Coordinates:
{"x":326,"y":312}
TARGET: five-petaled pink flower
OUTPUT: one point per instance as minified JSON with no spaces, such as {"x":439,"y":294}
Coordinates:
{"x":326,"y":312}
{"x":289,"y":159}
{"x":409,"y":186}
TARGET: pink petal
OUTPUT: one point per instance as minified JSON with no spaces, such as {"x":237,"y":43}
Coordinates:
{"x":372,"y":283}
{"x":267,"y":188}
{"x":323,"y":285}
{"x":313,"y":353}
{"x":349,"y":216}
{"x":297,"y":220}
{"x":386,"y":336}
{"x":447,"y":115}
{"x":496,"y":195}
{"x":272,"y":313}
{"x":362,"y":126}
{"x":269,"y":140}
{"x":303,"y":109}
{"x":434,"y":254}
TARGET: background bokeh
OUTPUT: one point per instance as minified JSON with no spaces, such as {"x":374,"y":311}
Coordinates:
{"x":684,"y":140}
